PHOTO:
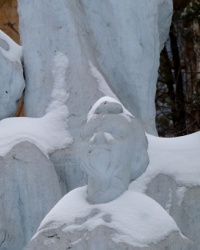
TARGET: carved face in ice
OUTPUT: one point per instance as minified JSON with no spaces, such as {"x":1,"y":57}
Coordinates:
{"x":112,"y":150}
{"x":113,"y":141}
{"x":107,"y":142}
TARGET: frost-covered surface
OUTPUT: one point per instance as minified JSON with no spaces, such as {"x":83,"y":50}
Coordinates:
{"x":137,"y":219}
{"x":59,"y":94}
{"x":49,"y":133}
{"x":177,"y":157}
{"x":173,"y":180}
{"x":126,"y":114}
{"x":122,"y":39}
{"x":11,"y":72}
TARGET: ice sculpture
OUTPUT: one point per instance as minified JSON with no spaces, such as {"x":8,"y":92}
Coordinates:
{"x":113,"y":150}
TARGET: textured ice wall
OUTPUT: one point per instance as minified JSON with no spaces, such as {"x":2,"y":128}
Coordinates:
{"x":181,"y":202}
{"x":127,"y":37}
{"x":48,"y":26}
{"x":121,"y":38}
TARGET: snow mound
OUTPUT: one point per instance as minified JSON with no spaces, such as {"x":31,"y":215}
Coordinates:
{"x":137,"y":219}
{"x":49,"y":133}
{"x":10,"y":49}
{"x":176,"y":157}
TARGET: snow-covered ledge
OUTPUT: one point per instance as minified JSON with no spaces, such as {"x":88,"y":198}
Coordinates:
{"x":173,"y":180}
{"x":48,"y":133}
{"x":132,"y":221}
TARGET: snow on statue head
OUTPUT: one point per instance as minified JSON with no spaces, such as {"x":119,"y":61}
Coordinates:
{"x":112,"y":150}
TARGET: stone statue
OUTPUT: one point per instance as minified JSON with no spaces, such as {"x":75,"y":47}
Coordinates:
{"x":113,"y":150}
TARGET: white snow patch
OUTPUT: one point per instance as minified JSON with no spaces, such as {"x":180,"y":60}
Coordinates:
{"x":126,"y":114}
{"x":108,"y":137}
{"x":49,"y":133}
{"x":137,"y":219}
{"x":102,"y":84}
{"x":92,"y":139}
{"x":176,"y":157}
{"x":180,"y":194}
{"x":59,"y":95}
{"x":14,"y":52}
{"x":49,"y":242}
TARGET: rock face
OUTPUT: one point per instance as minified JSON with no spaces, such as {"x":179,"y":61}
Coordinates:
{"x":98,"y":239}
{"x":131,"y":222}
{"x":173,"y":180}
{"x":28,"y":190}
{"x":122,"y":39}
{"x":181,"y":202}
{"x":11,"y":72}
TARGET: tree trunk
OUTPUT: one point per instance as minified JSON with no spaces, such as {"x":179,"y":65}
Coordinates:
{"x":180,"y":98}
